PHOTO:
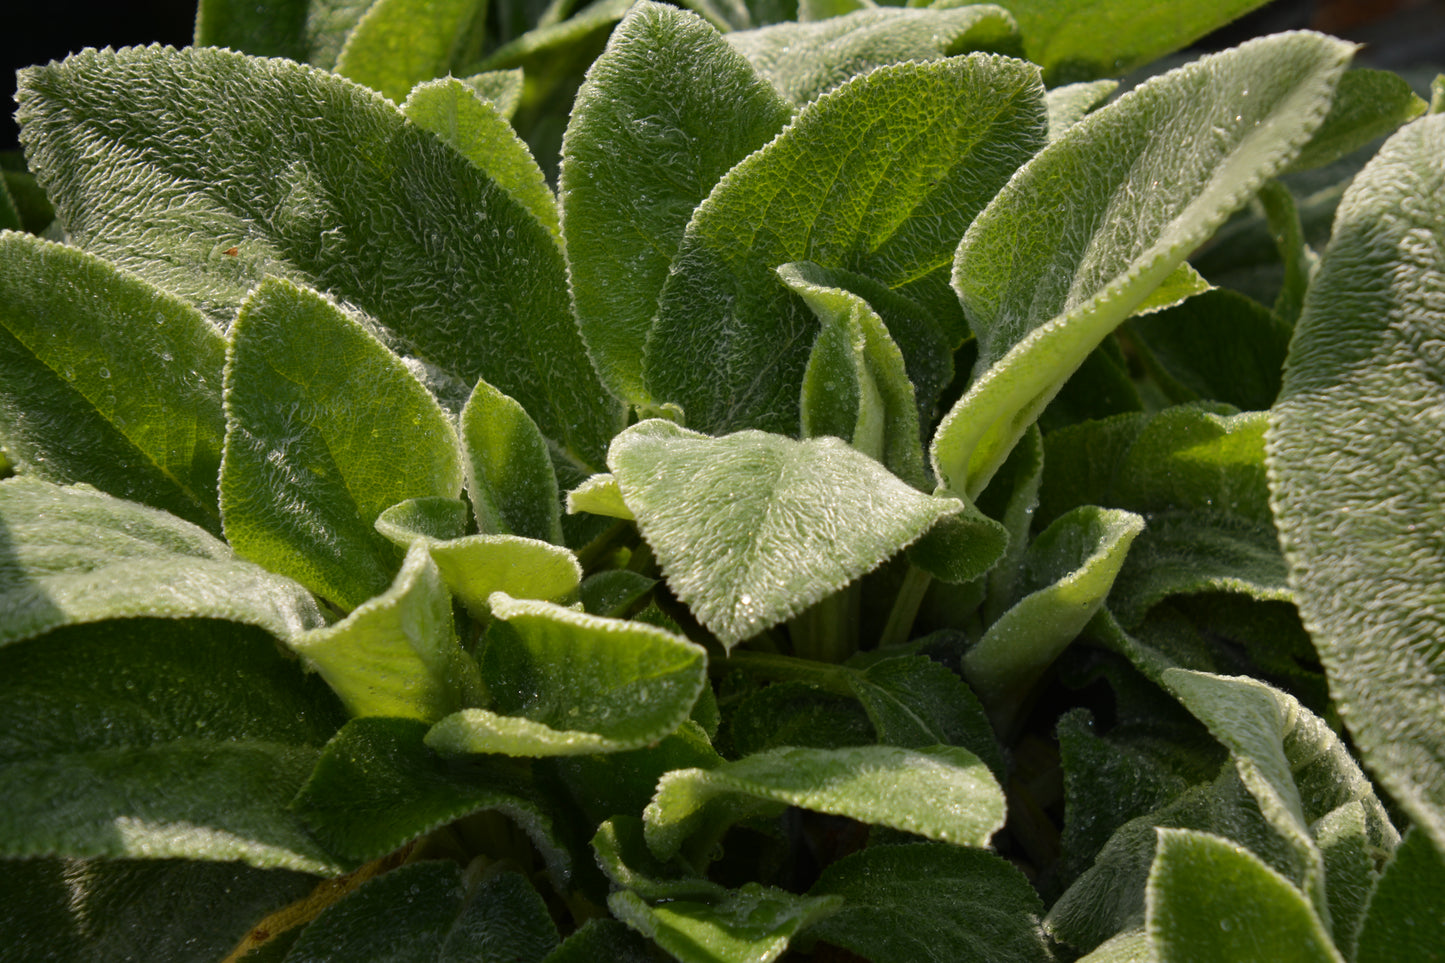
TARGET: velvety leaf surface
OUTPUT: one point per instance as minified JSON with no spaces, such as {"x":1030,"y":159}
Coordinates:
{"x":915,"y":702}
{"x":856,"y":386}
{"x":623,"y":782}
{"x":645,"y":144}
{"x":1089,"y":229}
{"x":181,"y":911}
{"x":74,"y":555}
{"x":752,"y":528}
{"x":217,"y":151}
{"x":308,"y":31}
{"x":934,"y":903}
{"x":1110,"y":896}
{"x":752,"y":924}
{"x":942,"y":793}
{"x":397,"y":44}
{"x":599,"y":495}
{"x":1301,"y":775}
{"x":1354,"y":474}
{"x":326,"y":429}
{"x":1219,"y":346}
{"x":877,"y":177}
{"x":1369,"y":104}
{"x":1132,"y":946}
{"x":108,"y":380}
{"x":564,"y":682}
{"x":158,"y":739}
{"x":510,"y":479}
{"x":426,"y":913}
{"x":456,"y":113}
{"x":803,"y":60}
{"x":603,"y":939}
{"x":377,"y":786}
{"x":1405,"y":920}
{"x":1210,"y":900}
{"x":799,"y":714}
{"x":1084,"y":39}
{"x":397,"y":653}
{"x":1070,"y":569}
{"x":1070,"y":103}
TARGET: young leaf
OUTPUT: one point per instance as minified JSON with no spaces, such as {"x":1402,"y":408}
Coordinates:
{"x":377,"y":786}
{"x":193,"y":135}
{"x":855,"y":386}
{"x":134,"y":375}
{"x":804,"y":60}
{"x":456,"y":113}
{"x":1404,"y":920}
{"x":326,"y":429}
{"x":397,"y":654}
{"x":943,"y":793}
{"x":1070,"y":103}
{"x":398,"y":44}
{"x":1062,"y":256}
{"x":1369,"y":104}
{"x":567,"y":683}
{"x":1210,"y":900}
{"x":510,"y":478}
{"x":73,"y":555}
{"x":159,"y":738}
{"x":424,"y":913}
{"x":1070,"y":568}
{"x":799,"y":714}
{"x":1292,"y":763}
{"x":623,"y":782}
{"x":1353,"y":474}
{"x":645,"y":145}
{"x":729,"y":342}
{"x":1083,"y":39}
{"x":752,"y":924}
{"x":600,"y":495}
{"x":927,"y":901}
{"x":752,"y":528}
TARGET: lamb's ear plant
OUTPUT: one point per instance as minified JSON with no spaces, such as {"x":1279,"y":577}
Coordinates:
{"x":509,"y":481}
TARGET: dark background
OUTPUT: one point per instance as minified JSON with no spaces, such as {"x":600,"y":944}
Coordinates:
{"x":1399,"y":33}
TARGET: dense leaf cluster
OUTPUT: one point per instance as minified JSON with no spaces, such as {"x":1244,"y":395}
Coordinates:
{"x":868,"y":490}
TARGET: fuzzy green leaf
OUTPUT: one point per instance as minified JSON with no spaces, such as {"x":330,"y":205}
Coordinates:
{"x":645,"y":145}
{"x":309,"y":31}
{"x":510,"y":478}
{"x":1296,"y":768}
{"x":426,"y":913}
{"x":299,"y":172}
{"x":180,"y":911}
{"x":74,"y":555}
{"x":942,"y":793}
{"x":603,"y":939}
{"x":752,"y":924}
{"x":876,"y":177}
{"x":856,"y":386}
{"x":397,"y":654}
{"x":752,"y":528}
{"x":1354,"y":471}
{"x":1369,"y":104}
{"x":377,"y":786}
{"x":600,"y":495}
{"x":108,"y":380}
{"x":1087,"y":231}
{"x":325,"y":430}
{"x":1070,"y":103}
{"x":1405,"y":920}
{"x":927,"y":902}
{"x":1070,"y":569}
{"x":1083,"y":39}
{"x":564,"y":682}
{"x":456,"y":113}
{"x":804,"y":60}
{"x":1210,"y":900}
{"x":915,"y":702}
{"x":159,"y":738}
{"x":398,"y":44}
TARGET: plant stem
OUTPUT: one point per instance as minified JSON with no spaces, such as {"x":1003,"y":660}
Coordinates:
{"x":827,"y":631}
{"x":905,"y":607}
